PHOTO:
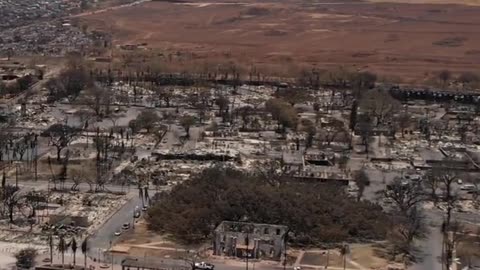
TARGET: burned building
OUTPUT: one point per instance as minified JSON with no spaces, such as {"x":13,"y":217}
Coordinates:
{"x":321,"y":159}
{"x":257,"y":241}
{"x":322,"y":174}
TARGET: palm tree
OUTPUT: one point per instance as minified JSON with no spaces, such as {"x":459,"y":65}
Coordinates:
{"x":85,"y":250}
{"x":62,"y":247}
{"x":50,"y":244}
{"x":73,"y":245}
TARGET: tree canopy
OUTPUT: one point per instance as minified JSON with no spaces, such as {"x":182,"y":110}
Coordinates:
{"x":293,"y":95}
{"x":363,"y":80}
{"x":380,"y":105}
{"x":283,"y":112}
{"x":315,"y":213}
{"x":186,"y":122}
{"x":147,"y":119}
{"x":71,"y":81}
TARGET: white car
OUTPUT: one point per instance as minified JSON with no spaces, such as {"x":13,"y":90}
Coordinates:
{"x":204,"y":266}
{"x":117,"y":233}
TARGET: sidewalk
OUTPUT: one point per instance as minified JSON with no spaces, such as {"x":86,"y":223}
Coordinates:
{"x":68,"y":260}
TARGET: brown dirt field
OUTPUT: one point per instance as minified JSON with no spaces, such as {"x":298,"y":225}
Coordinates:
{"x":403,"y":40}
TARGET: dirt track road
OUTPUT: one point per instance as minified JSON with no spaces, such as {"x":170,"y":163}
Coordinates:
{"x":108,"y":9}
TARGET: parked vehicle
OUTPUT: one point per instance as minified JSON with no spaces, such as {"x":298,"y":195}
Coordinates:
{"x":468,"y":187}
{"x":126,"y":226}
{"x":204,"y":266}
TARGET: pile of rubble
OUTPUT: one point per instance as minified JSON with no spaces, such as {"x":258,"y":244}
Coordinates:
{"x":95,"y":207}
{"x":35,"y":116}
{"x":168,"y":172}
{"x":42,"y":27}
{"x":200,"y":154}
{"x":16,"y":13}
{"x":21,"y":237}
{"x":76,"y":214}
{"x":13,"y":248}
{"x":252,"y":95}
{"x":125,"y":93}
{"x":48,"y":38}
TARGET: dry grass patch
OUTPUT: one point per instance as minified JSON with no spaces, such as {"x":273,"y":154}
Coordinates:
{"x":367,"y":255}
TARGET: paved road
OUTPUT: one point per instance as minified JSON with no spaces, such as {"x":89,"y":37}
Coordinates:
{"x":251,"y":266}
{"x":432,"y":251}
{"x":219,"y":264}
{"x":104,"y":237}
{"x":432,"y":246}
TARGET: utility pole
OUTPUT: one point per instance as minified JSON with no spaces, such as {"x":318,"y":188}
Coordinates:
{"x":285,"y":239}
{"x":48,"y":195}
{"x":111,"y":253}
{"x":247,"y":242}
{"x":36,"y":160}
{"x":133,"y":221}
{"x":328,"y":258}
{"x":16,"y":174}
{"x":85,"y":128}
{"x":443,"y":229}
